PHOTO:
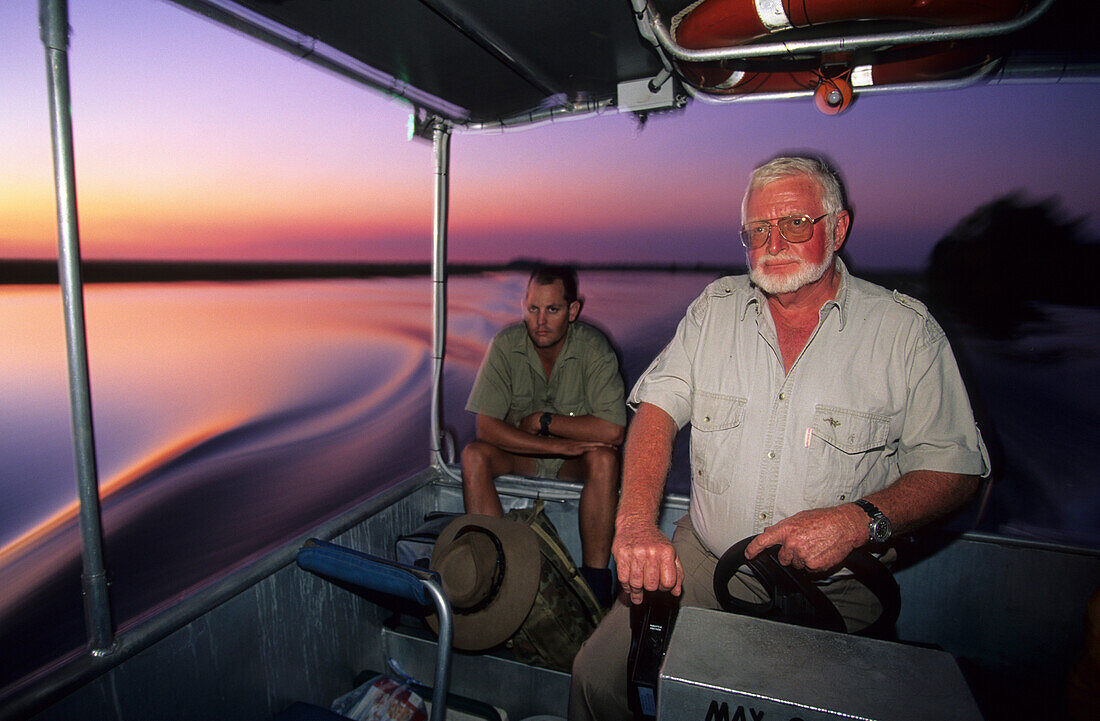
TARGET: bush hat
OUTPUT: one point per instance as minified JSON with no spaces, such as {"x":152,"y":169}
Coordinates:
{"x":490,"y":569}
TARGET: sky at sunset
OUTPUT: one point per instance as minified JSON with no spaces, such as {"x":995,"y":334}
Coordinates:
{"x":194,"y":143}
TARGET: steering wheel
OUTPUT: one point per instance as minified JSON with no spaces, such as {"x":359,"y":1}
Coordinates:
{"x":794,"y":598}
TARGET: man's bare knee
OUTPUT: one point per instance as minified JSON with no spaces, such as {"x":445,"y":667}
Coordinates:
{"x":476,"y":454}
{"x":601,"y":465}
{"x":482,"y":462}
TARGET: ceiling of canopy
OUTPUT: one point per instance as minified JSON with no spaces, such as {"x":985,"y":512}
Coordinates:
{"x":498,"y":61}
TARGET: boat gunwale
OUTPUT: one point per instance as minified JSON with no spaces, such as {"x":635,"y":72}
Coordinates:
{"x":48,"y":684}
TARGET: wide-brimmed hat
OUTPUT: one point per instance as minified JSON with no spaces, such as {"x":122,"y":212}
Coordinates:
{"x":490,"y":569}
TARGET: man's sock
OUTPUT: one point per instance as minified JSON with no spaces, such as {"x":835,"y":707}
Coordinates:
{"x":599,"y":579}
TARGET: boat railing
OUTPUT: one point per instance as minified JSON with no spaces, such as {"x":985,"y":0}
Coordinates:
{"x":29,"y":694}
{"x":948,"y":579}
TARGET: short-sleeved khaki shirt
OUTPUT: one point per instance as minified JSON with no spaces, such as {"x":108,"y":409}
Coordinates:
{"x":511,"y":383}
{"x":875,"y":394}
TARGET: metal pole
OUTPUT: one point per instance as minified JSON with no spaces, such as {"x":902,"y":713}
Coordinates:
{"x":441,"y":152}
{"x":53,"y":18}
{"x":442,"y":680}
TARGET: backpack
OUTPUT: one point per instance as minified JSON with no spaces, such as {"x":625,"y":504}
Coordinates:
{"x":565,"y":611}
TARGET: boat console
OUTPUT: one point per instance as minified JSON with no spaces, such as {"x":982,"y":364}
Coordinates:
{"x":727,"y":667}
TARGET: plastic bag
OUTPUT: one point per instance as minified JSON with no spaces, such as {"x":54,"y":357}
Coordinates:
{"x":383,"y":698}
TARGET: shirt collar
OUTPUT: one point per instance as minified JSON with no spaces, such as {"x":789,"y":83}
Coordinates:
{"x":568,"y":348}
{"x":840,"y":302}
{"x":755,"y":299}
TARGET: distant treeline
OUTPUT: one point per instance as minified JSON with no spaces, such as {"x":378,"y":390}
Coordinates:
{"x":38,"y":272}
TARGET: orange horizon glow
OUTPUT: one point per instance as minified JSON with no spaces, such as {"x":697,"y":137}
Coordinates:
{"x":193,"y":143}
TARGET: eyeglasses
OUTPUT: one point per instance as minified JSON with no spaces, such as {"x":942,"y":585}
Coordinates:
{"x":793,"y":229}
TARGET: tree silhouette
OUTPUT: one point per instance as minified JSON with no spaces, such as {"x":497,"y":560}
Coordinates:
{"x":993,"y":267}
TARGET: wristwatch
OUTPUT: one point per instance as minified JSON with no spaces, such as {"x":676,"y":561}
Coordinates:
{"x":544,"y":423}
{"x":879,"y":529}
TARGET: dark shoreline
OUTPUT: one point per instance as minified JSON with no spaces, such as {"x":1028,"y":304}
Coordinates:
{"x":44,"y":272}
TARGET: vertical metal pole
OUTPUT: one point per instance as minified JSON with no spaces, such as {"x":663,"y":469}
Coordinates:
{"x":441,"y":151}
{"x":53,"y":18}
{"x":442,"y":682}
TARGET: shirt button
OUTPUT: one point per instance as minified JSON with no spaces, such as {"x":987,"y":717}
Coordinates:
{"x":706,"y":419}
{"x":763,"y":516}
{"x":771,"y":454}
{"x":782,"y":396}
{"x":843,"y":497}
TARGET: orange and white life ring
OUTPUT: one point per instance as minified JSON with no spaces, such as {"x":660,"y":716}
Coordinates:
{"x":722,"y":23}
{"x":899,"y":65}
{"x":725,"y":23}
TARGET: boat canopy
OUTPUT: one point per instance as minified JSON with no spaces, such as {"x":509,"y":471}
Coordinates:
{"x":491,"y":64}
{"x":497,"y":63}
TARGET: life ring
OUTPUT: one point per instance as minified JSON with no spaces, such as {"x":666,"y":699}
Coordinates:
{"x":725,"y":23}
{"x":722,"y":23}
{"x":903,"y":64}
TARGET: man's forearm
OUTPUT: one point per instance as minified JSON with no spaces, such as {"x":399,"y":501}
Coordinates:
{"x":508,"y":438}
{"x":644,"y":557}
{"x":818,"y":539}
{"x":646,"y":459}
{"x":920,"y":497}
{"x":587,"y":428}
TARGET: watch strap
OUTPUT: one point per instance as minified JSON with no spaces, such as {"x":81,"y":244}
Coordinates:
{"x":879,"y":528}
{"x":544,"y":423}
{"x":869,"y":508}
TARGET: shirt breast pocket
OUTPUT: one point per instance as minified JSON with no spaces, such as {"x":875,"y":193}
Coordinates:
{"x":716,"y":425}
{"x":569,"y":401}
{"x":846,"y":445}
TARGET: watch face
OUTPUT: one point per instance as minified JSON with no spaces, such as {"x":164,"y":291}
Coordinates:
{"x":880,"y":529}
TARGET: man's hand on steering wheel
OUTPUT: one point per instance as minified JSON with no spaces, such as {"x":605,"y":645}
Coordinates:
{"x":816,"y":540}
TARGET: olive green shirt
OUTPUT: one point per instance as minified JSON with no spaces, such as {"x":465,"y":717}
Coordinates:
{"x":585,"y":380}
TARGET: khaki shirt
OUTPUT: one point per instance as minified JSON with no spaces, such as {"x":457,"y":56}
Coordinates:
{"x":875,"y":394}
{"x":511,"y":383}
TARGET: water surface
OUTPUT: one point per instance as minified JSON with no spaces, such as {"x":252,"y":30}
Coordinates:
{"x":230,"y":417}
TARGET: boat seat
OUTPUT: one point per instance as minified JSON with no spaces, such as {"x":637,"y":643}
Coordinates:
{"x":373,"y":573}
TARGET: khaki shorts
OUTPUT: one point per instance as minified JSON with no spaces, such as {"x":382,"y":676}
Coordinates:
{"x":548,"y":467}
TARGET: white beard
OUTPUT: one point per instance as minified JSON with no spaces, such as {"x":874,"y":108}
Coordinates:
{"x":790,"y":282}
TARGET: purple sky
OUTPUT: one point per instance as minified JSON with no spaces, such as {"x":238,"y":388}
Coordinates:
{"x":193,"y":142}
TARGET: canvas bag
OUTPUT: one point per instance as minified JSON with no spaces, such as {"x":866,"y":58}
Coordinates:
{"x":565,"y":611}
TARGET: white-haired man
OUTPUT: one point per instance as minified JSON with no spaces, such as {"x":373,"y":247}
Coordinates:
{"x":824,"y":410}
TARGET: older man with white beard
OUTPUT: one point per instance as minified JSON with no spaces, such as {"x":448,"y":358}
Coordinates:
{"x":826,"y":413}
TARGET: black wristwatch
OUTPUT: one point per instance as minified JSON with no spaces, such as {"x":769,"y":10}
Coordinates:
{"x":879,"y":529}
{"x":544,"y":423}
